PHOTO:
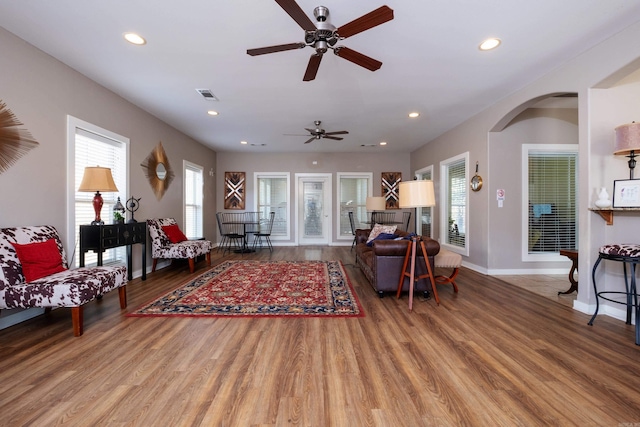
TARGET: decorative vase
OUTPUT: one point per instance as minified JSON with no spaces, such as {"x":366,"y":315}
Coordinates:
{"x":603,"y":199}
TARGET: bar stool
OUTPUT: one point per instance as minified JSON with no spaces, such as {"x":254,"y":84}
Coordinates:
{"x":626,"y":254}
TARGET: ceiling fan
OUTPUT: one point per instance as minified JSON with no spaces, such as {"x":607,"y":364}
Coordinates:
{"x":322,"y":36}
{"x":319,"y":133}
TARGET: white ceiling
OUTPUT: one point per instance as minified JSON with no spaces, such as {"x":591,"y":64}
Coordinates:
{"x":430,"y":55}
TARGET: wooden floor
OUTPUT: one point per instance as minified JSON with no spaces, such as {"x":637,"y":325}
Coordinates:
{"x":492,"y":355}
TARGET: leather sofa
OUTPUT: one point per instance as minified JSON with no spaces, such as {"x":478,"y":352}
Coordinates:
{"x":382,"y":262}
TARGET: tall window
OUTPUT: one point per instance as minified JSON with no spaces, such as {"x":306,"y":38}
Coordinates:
{"x":272,"y":195}
{"x":90,"y":145}
{"x":424,"y":216}
{"x":193,"y":193}
{"x":453,"y":225}
{"x":550,"y":199}
{"x":353,"y":189}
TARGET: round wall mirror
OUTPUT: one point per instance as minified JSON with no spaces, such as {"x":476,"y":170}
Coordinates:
{"x":161,"y":171}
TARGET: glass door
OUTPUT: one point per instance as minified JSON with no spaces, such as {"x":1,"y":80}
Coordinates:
{"x":314,"y":208}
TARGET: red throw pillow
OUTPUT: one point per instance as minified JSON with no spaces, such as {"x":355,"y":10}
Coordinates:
{"x":39,"y":259}
{"x":174,"y":234}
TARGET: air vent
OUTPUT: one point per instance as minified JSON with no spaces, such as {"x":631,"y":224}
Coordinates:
{"x":368,"y":145}
{"x":206,"y":94}
{"x":258,"y":145}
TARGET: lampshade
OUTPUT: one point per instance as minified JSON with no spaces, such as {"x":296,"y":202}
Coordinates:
{"x":627,"y":139}
{"x":376,"y":204}
{"x":416,"y":194}
{"x":96,"y":178}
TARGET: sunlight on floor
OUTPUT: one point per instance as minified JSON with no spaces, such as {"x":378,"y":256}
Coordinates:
{"x":547,"y":285}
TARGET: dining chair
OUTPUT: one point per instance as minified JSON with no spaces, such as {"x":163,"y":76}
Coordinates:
{"x":252,"y":226}
{"x":233,"y":229}
{"x":353,"y":228}
{"x":406,"y":217}
{"x":265,"y":231}
{"x":385,"y":217}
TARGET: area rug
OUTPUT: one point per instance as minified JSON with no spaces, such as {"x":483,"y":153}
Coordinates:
{"x":261,"y":288}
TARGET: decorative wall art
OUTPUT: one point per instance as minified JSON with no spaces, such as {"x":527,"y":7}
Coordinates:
{"x":234,"y":190}
{"x":158,"y":170}
{"x":390,"y":181}
{"x":14,"y":142}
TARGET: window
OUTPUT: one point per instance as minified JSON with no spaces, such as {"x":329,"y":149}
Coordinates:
{"x":193,"y":193}
{"x":550,"y":200}
{"x":453,"y":226}
{"x":272,"y":195}
{"x":353,"y":189}
{"x":90,"y":145}
{"x":424,"y":216}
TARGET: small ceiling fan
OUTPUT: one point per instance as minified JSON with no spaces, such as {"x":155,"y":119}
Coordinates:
{"x":322,"y":36}
{"x":319,"y":133}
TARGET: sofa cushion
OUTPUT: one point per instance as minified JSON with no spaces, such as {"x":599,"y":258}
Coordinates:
{"x":174,"y":234}
{"x":378,"y":228}
{"x":39,"y":259}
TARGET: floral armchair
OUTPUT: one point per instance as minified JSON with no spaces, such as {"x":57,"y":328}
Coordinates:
{"x":163,"y":248}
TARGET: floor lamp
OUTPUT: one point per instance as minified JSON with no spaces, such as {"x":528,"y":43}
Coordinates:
{"x":415,"y":194}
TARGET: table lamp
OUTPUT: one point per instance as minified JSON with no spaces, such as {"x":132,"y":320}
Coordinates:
{"x":627,"y":143}
{"x":415,"y":194}
{"x":374,"y":204}
{"x":97,"y":179}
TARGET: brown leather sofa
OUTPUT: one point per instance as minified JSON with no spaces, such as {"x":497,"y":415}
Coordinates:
{"x":382,"y":262}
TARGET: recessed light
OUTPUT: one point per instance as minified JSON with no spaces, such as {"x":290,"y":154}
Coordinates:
{"x":414,"y":114}
{"x":489,"y":44}
{"x":134,"y":38}
{"x":212,"y":113}
{"x":383,"y":143}
{"x":243,"y":142}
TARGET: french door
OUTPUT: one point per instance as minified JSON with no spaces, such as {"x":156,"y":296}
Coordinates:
{"x":313,"y":208}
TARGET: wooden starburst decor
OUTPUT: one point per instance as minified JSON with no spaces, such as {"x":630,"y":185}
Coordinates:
{"x":158,"y":170}
{"x":14,"y":141}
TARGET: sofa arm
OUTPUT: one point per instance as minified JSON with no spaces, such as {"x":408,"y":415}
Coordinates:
{"x":362,"y":234}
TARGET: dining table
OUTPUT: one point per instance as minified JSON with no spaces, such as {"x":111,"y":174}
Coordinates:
{"x":248,"y":226}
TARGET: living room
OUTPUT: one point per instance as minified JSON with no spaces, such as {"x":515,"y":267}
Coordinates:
{"x":43,"y":92}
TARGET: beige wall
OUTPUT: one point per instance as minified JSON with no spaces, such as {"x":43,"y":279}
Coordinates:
{"x":251,"y":162}
{"x":41,"y":92}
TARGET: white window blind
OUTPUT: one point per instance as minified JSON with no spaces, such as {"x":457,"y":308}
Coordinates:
{"x":93,"y":149}
{"x":353,"y":192}
{"x":552,"y":213}
{"x":193,"y":198}
{"x":273,"y":196}
{"x":453,"y":210}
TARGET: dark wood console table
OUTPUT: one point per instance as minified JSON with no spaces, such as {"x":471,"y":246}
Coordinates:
{"x":98,"y":238}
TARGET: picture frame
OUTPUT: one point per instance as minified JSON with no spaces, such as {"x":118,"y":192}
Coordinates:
{"x":626,"y":193}
{"x":390,"y":186}
{"x":234,"y":183}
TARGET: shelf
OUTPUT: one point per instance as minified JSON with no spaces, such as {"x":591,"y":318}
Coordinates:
{"x":607,"y":214}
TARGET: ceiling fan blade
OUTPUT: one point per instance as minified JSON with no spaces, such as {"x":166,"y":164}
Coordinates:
{"x":357,"y":58}
{"x":337,"y":138}
{"x":309,"y":140}
{"x":339,"y":132}
{"x":276,"y":48}
{"x":370,"y":20}
{"x":298,"y":15}
{"x":312,"y":67}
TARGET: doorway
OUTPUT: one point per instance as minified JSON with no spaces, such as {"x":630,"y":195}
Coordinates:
{"x":313,"y":208}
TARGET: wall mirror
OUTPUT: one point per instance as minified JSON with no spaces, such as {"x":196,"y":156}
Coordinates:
{"x":158,"y":170}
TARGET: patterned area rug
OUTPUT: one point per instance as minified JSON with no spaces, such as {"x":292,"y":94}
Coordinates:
{"x":261,"y":288}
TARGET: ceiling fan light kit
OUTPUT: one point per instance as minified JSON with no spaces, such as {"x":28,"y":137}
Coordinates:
{"x":322,"y":36}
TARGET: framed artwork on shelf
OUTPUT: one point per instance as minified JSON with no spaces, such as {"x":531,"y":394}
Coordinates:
{"x":390,"y":182}
{"x":234,"y":190}
{"x":626,"y":193}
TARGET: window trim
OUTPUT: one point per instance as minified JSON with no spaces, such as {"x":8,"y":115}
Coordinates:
{"x":287,"y":176}
{"x":358,"y":175}
{"x":74,"y":123}
{"x":444,"y":203}
{"x":418,"y":211}
{"x":526,"y":150}
{"x":187,"y":165}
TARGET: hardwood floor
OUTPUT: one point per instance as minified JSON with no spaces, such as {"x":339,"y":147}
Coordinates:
{"x":491,"y":355}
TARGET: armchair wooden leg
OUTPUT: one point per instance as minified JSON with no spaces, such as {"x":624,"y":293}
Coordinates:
{"x":208,"y":258}
{"x":122,"y":292}
{"x":77,"y":320}
{"x":192,"y":265}
{"x":153,"y":267}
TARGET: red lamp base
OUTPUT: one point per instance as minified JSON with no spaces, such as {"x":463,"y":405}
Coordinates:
{"x":97,"y":207}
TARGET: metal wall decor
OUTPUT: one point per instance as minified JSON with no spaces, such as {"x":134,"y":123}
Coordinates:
{"x":14,"y":142}
{"x":234,"y":190}
{"x":390,"y":182}
{"x":158,"y":170}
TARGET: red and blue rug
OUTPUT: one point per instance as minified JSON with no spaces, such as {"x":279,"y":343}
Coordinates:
{"x":261,"y":288}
